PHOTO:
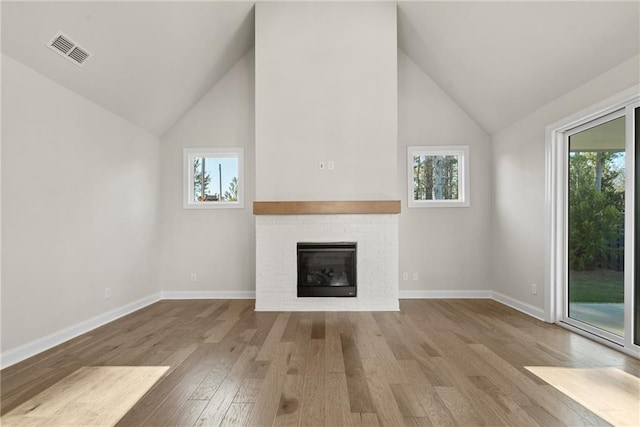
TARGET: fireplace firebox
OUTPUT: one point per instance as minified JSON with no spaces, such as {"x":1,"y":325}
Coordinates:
{"x":327,"y":269}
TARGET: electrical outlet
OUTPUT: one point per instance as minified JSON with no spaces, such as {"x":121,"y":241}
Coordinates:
{"x":322,"y":166}
{"x":405,"y":276}
{"x":330,"y":165}
{"x":415,"y":276}
{"x":107,"y":293}
{"x":194,"y":277}
{"x":534,"y":289}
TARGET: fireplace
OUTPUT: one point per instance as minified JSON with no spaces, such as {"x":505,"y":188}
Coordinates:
{"x":327,"y":269}
{"x":277,"y":238}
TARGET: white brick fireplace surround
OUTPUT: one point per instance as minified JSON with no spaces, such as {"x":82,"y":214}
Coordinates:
{"x":377,"y":260}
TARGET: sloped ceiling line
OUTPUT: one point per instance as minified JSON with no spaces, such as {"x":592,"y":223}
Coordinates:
{"x":153,"y":61}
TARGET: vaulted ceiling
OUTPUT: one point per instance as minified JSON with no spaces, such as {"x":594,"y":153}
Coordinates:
{"x":152,"y":61}
{"x":503,"y":60}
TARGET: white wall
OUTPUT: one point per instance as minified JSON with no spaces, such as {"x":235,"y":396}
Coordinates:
{"x":216,"y":244}
{"x":447,"y":247}
{"x":79,"y":208}
{"x":518,"y":158}
{"x":326,"y":89}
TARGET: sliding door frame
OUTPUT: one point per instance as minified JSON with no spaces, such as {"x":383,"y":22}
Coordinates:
{"x":564,"y":295}
{"x":631,"y":308}
{"x":556,"y":159}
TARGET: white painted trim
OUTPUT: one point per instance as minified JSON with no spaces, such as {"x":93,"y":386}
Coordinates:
{"x":464,"y":194}
{"x":418,"y":294}
{"x":208,"y":295}
{"x":554,"y":194}
{"x":630,"y":230}
{"x":20,"y":353}
{"x":551,"y":234}
{"x":189,"y":154}
{"x":522,"y":307}
{"x":556,"y":213}
{"x":25,"y":351}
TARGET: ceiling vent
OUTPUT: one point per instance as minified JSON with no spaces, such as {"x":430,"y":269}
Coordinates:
{"x":63,"y":45}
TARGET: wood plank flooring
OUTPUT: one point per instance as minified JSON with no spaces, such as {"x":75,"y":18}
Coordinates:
{"x":91,"y":396}
{"x":435,"y":362}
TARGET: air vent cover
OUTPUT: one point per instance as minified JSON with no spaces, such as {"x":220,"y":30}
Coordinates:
{"x":65,"y":46}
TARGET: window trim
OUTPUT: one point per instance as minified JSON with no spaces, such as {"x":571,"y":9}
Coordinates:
{"x":462,"y":151}
{"x":187,"y":188}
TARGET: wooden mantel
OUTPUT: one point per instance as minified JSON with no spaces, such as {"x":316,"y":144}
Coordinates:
{"x":327,"y":207}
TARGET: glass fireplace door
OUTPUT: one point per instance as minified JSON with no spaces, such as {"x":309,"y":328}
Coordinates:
{"x":327,"y":269}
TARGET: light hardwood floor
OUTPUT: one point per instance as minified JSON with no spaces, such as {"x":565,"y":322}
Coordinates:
{"x":91,"y":396}
{"x":436,"y":362}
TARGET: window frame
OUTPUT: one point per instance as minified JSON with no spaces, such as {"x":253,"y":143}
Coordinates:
{"x":462,"y":152}
{"x":189,"y":154}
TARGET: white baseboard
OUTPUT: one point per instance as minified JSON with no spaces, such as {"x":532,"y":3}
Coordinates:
{"x":417,"y":294}
{"x":518,"y":305}
{"x":496,"y":296}
{"x":208,"y":294}
{"x":20,"y":353}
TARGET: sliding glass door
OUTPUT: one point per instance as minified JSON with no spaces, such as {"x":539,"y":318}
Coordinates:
{"x":633,"y":306}
{"x":596,"y":173}
{"x":593,"y":218}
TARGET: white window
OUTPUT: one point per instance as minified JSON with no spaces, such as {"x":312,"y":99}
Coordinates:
{"x":438,"y":176}
{"x":213,"y":178}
